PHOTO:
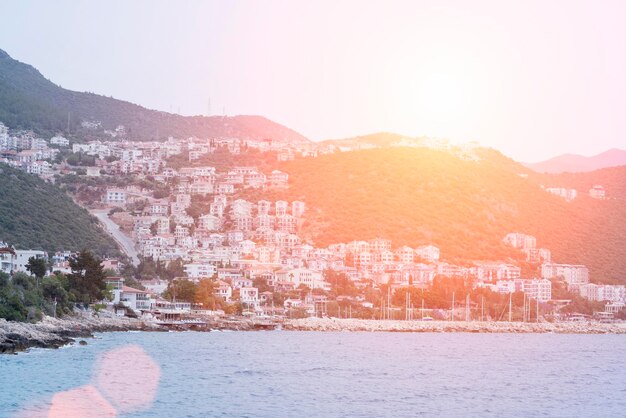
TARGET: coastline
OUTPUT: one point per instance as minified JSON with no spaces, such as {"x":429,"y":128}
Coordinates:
{"x":55,"y":333}
{"x":368,"y":325}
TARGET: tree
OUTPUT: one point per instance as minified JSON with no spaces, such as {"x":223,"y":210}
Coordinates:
{"x":175,"y":269}
{"x":20,"y":299}
{"x":205,"y":294}
{"x":37,"y":266}
{"x":146,"y":268}
{"x":56,"y":295}
{"x":87,"y":280}
{"x":341,"y":283}
{"x":262,"y":285}
{"x":181,"y":289}
{"x":11,"y":306}
{"x":161,"y":193}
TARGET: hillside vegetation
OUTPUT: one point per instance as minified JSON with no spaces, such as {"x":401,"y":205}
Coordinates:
{"x":417,"y":195}
{"x":613,"y":180}
{"x":37,"y":215}
{"x":30,"y":101}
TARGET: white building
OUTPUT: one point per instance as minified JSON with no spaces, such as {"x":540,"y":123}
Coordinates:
{"x":310,"y":278}
{"x":264,"y":207}
{"x":60,"y":141}
{"x":39,"y":168}
{"x":519,"y":240}
{"x":209,"y":222}
{"x":135,"y":299}
{"x":429,"y":253}
{"x":7,"y":258}
{"x":249,"y":296}
{"x":598,"y":292}
{"x":378,"y":245}
{"x":297,"y":208}
{"x":21,"y":259}
{"x":278,"y":179}
{"x":281,"y":208}
{"x":224,"y":290}
{"x":538,"y":255}
{"x":567,"y":194}
{"x":574,"y":275}
{"x":540,"y":289}
{"x":597,"y":192}
{"x":93,"y":171}
{"x":405,"y":254}
{"x":199,"y":270}
{"x":115,"y":196}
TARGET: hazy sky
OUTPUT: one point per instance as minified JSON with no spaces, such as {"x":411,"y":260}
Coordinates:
{"x":532,"y":79}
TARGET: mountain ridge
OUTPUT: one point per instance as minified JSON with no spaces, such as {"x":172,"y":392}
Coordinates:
{"x":575,"y":163}
{"x":416,"y":196}
{"x":30,"y":101}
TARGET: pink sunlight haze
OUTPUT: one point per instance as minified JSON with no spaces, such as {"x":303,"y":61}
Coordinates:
{"x":125,"y":380}
{"x":530,"y":78}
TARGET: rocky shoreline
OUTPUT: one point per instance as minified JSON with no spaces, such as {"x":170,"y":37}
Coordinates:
{"x":364,"y":325}
{"x":55,"y":333}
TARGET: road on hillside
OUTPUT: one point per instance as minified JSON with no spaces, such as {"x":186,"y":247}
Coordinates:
{"x":127,"y":244}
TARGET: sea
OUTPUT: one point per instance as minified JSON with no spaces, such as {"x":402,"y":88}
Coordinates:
{"x":319,"y":374}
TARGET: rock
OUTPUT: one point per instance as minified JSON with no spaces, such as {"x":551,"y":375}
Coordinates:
{"x":55,"y":333}
{"x":82,"y":342}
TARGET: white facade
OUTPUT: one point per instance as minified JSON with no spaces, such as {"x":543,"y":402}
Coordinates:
{"x":540,"y":289}
{"x":249,"y":296}
{"x":310,"y":278}
{"x":209,"y":222}
{"x":298,"y":208}
{"x":59,"y":140}
{"x":597,"y":292}
{"x":199,"y":270}
{"x":597,"y":192}
{"x":567,"y":194}
{"x":521,"y":241}
{"x":281,"y":208}
{"x":429,"y":253}
{"x":22,"y":256}
{"x":574,"y":275}
{"x":115,"y":196}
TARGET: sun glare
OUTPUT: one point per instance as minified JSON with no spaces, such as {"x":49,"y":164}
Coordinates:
{"x":442,"y":96}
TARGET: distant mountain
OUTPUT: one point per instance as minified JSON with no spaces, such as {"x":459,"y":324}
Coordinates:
{"x":613,"y":179}
{"x":572,"y":163}
{"x":419,"y":195}
{"x":30,"y":101}
{"x":37,"y":215}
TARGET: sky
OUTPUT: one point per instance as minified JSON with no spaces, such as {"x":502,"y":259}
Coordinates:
{"x":532,"y":79}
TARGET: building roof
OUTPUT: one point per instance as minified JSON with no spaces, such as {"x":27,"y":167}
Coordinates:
{"x":127,"y":289}
{"x":7,"y":250}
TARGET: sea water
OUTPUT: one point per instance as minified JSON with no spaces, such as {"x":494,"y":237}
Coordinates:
{"x":306,"y":374}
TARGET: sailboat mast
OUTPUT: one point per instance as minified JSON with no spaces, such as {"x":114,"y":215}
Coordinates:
{"x":452,"y":313}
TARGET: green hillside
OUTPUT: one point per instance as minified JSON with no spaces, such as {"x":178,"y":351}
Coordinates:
{"x":613,"y":180}
{"x":30,"y":101}
{"x":37,"y":215}
{"x":418,"y":195}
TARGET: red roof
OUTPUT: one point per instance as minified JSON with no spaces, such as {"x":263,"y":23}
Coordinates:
{"x":127,"y":289}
